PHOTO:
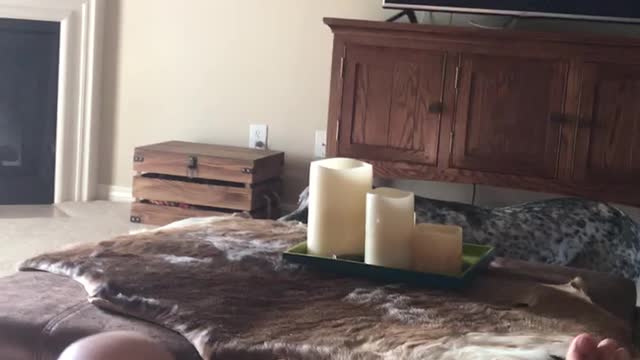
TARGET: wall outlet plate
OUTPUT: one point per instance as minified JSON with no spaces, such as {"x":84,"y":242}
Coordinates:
{"x":258,"y":136}
{"x":320,"y":149}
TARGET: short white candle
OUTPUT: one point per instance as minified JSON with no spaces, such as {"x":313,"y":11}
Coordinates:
{"x":389,"y":228}
{"x":337,"y":198}
{"x":437,"y":249}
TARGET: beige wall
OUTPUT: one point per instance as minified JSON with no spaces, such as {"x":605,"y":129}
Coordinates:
{"x":203,"y":70}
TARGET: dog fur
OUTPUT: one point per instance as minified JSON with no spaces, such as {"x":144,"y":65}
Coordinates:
{"x":566,"y":231}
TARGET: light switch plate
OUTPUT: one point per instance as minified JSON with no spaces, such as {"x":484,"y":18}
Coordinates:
{"x":258,"y":136}
{"x":320,"y":150}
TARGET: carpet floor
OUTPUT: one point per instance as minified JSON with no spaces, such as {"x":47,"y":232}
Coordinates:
{"x":28,"y":230}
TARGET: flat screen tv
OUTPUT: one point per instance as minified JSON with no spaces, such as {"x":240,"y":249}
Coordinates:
{"x":602,"y":10}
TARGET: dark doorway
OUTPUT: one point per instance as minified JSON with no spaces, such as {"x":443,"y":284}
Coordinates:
{"x":29,"y":53}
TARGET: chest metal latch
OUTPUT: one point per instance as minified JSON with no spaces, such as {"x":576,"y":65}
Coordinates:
{"x":192,"y":166}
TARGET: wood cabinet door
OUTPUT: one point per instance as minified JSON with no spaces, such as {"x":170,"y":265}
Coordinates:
{"x":509,"y":114}
{"x":391,"y":104}
{"x":608,"y":128}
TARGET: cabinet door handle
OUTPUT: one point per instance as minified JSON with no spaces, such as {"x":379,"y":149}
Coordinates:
{"x":436,"y":107}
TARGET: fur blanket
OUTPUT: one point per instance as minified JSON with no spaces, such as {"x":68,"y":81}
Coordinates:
{"x":222,"y":283}
{"x":566,"y":231}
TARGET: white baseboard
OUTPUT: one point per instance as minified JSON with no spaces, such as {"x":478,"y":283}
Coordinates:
{"x":115,"y":193}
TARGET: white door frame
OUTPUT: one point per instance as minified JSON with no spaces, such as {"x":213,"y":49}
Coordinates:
{"x":79,"y":86}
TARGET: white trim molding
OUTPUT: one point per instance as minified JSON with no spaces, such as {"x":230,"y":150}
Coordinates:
{"x":79,"y":85}
{"x":115,"y":193}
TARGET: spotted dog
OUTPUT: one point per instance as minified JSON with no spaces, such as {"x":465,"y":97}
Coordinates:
{"x":566,"y":231}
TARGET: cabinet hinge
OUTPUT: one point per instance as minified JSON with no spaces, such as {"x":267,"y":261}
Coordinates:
{"x":342,"y":67}
{"x":338,"y":130}
{"x":457,"y":78}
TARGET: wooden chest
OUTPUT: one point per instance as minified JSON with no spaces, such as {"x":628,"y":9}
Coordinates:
{"x":176,"y":180}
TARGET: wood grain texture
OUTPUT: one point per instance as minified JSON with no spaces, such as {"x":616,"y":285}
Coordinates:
{"x":404,"y":110}
{"x":508,"y":113}
{"x":387,"y":95}
{"x":162,"y":215}
{"x":238,"y":198}
{"x":211,"y":150}
{"x":568,"y":130}
{"x":550,"y":112}
{"x":214,"y":161}
{"x":608,"y":143}
{"x":372,"y":105}
{"x":226,"y":178}
{"x":228,"y":197}
{"x":471,"y":34}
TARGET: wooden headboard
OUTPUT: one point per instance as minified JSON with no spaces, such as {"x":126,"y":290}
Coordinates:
{"x":549,"y":112}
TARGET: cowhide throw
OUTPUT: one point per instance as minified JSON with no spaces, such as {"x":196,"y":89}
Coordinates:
{"x":223,"y":285}
{"x":566,"y":231}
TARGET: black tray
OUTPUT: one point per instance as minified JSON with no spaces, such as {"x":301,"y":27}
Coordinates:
{"x":475,"y":258}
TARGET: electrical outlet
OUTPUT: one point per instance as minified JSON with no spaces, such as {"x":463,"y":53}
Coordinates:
{"x":320,"y":150}
{"x":258,"y":136}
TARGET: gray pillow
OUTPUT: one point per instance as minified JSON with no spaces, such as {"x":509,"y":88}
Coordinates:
{"x":566,"y":231}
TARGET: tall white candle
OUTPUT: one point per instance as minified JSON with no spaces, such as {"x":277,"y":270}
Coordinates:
{"x":337,"y":198}
{"x":389,"y":228}
{"x":437,"y":249}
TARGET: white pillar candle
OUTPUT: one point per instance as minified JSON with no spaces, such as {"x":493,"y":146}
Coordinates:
{"x":337,"y":198}
{"x":389,"y":228}
{"x":437,"y":249}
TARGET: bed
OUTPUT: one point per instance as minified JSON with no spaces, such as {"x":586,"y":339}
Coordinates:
{"x":537,"y":304}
